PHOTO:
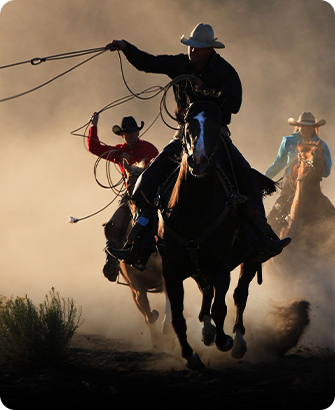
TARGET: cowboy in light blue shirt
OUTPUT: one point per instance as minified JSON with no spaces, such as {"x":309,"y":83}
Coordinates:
{"x":307,"y":131}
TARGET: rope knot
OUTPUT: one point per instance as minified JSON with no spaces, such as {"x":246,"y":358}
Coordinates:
{"x":37,"y":60}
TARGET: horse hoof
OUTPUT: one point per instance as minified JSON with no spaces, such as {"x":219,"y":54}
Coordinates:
{"x":227,"y":346}
{"x":194,"y":362}
{"x":240,"y":346}
{"x":208,"y":334}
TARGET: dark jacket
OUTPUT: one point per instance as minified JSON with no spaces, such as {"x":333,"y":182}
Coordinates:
{"x":222,"y":81}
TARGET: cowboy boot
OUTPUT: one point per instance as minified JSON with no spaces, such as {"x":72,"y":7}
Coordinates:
{"x":268,"y":244}
{"x":134,"y":252}
{"x":111,"y":267}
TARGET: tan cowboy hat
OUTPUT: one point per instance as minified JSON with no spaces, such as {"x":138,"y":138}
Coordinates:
{"x":202,"y":36}
{"x":128,"y":124}
{"x":306,"y":118}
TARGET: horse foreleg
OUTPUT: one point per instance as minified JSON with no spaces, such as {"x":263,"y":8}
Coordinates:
{"x":175,"y":291}
{"x":142,"y":302}
{"x":219,"y":311}
{"x":208,"y":331}
{"x":167,"y":321}
{"x":247,"y":273}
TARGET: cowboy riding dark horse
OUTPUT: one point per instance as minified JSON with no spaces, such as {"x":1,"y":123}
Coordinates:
{"x":211,"y":79}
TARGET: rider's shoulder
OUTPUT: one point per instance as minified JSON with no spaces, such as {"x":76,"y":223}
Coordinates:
{"x":324,"y":144}
{"x":291,"y":139}
{"x":145,"y":142}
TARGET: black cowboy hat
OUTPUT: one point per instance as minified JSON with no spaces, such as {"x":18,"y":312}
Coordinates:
{"x":128,"y":124}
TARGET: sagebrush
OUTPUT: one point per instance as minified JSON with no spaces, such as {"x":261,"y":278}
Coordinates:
{"x":37,"y":335}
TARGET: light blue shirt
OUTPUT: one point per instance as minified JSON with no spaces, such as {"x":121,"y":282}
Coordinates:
{"x":288,"y":150}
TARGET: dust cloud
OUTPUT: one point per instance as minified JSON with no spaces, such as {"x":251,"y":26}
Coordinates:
{"x":284,"y":53}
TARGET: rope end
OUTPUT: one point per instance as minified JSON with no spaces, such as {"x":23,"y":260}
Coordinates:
{"x":73,"y":220}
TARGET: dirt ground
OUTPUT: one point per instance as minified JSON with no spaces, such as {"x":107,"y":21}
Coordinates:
{"x":101,"y":373}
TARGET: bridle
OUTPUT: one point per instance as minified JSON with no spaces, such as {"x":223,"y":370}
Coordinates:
{"x":185,"y":135}
{"x":311,"y":166}
{"x":233,"y":201}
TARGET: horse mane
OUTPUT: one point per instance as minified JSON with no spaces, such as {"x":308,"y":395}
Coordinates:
{"x":181,"y":176}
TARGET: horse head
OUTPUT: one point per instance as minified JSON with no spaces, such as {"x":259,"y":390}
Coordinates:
{"x":311,"y":161}
{"x":202,"y":132}
{"x":132,"y":174}
{"x":307,"y":173}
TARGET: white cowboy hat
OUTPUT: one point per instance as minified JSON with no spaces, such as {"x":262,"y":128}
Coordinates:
{"x":306,"y":118}
{"x":202,"y":36}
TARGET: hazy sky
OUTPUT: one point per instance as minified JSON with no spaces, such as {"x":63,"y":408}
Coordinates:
{"x":283,"y":50}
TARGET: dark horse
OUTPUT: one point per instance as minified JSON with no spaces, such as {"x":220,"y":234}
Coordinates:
{"x":196,"y":231}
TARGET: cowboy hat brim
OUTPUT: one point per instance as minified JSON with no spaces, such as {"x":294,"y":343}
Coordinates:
{"x":118,"y":130}
{"x":295,"y":123}
{"x":201,"y":44}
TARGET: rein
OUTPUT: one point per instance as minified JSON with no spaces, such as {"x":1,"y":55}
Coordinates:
{"x":310,"y":165}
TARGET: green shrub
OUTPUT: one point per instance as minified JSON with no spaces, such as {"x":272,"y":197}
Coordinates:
{"x":39,"y":336}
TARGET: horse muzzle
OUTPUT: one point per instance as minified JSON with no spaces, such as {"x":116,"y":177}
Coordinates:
{"x":198,"y":166}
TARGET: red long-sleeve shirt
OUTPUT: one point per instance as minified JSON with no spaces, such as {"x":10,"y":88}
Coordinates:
{"x":142,"y":151}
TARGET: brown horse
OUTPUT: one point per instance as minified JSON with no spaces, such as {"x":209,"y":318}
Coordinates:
{"x":196,"y":231}
{"x":305,"y":214}
{"x":311,"y":212}
{"x":151,"y":280}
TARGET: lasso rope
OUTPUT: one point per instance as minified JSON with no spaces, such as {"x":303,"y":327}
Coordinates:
{"x":155,"y":90}
{"x":152,"y":91}
{"x":37,"y":60}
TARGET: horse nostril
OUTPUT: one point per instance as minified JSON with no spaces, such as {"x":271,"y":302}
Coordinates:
{"x":203,"y":160}
{"x":190,"y":161}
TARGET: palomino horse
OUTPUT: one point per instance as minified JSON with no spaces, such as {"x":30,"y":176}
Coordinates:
{"x":151,"y":280}
{"x":196,"y":231}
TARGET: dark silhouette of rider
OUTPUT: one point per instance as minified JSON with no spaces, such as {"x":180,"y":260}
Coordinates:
{"x":215,"y":80}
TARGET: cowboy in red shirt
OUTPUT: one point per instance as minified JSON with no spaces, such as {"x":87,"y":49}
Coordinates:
{"x":133,"y":150}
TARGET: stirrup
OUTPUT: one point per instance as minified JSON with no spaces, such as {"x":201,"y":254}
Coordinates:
{"x":111,"y":270}
{"x":120,"y":254}
{"x":126,"y":256}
